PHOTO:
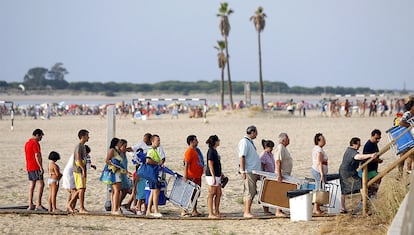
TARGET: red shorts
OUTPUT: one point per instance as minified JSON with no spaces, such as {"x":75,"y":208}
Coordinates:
{"x":196,"y":180}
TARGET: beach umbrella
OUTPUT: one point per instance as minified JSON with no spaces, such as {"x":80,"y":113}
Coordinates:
{"x":21,"y":87}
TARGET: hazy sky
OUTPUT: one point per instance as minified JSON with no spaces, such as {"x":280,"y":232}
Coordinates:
{"x":352,"y":43}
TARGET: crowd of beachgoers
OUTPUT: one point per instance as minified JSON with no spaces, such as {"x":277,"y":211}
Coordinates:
{"x":332,"y":107}
{"x":49,"y":110}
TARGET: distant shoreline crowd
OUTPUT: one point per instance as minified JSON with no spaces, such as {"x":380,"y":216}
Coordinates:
{"x":332,"y":107}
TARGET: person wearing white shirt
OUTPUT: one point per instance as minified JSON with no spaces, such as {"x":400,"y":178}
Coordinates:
{"x":145,"y":145}
{"x":249,"y":161}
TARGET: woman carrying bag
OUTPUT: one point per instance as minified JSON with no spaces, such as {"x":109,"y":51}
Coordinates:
{"x":111,"y":174}
{"x":319,"y":167}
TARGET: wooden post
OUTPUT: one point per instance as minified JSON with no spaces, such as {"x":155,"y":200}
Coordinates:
{"x":110,"y":133}
{"x":364,"y":190}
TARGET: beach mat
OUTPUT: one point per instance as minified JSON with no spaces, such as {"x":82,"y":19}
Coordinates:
{"x":167,"y":215}
{"x":13,"y":207}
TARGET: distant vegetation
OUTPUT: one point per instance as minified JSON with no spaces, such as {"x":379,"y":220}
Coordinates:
{"x":180,"y":87}
{"x":39,"y":79}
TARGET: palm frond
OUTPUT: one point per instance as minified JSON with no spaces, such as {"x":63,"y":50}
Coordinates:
{"x":221,"y":44}
{"x":259,"y":19}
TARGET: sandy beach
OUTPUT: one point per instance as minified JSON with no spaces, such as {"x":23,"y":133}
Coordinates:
{"x":61,"y":136}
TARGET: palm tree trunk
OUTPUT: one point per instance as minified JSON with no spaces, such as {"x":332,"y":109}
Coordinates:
{"x":260,"y":72}
{"x":222,"y":89}
{"x":228,"y":74}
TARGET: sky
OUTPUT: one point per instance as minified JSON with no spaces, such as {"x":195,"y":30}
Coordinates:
{"x":308,"y":43}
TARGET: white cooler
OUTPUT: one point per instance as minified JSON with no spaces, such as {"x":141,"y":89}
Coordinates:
{"x":334,"y":189}
{"x":300,"y":202}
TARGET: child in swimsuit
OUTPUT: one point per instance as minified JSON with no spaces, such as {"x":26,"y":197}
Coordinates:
{"x":53,"y":181}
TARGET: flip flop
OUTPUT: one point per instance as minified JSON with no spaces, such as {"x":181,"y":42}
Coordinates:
{"x":41,"y":208}
{"x":185,"y":215}
{"x":344,"y":211}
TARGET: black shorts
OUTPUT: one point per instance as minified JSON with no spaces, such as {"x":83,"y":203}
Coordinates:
{"x":154,"y":185}
{"x":35,"y":175}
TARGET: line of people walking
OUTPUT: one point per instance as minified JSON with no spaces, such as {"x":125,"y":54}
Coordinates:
{"x":116,"y":174}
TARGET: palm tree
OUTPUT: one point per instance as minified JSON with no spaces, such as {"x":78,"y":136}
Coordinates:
{"x":222,"y":60}
{"x":259,"y":23}
{"x":224,"y":13}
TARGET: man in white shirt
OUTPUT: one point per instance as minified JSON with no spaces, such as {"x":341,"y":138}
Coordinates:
{"x":249,"y":161}
{"x":145,"y":144}
{"x":283,"y":161}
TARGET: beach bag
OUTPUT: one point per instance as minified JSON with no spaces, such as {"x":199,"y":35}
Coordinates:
{"x":148,"y":172}
{"x":107,"y":176}
{"x":321,"y":196}
{"x":224,"y":181}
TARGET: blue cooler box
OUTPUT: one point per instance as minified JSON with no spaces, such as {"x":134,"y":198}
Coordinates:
{"x":162,"y":199}
{"x":308,"y":185}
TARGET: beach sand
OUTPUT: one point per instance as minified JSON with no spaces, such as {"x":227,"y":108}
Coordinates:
{"x":61,"y":136}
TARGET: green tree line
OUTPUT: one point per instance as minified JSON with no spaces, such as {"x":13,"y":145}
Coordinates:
{"x":184,"y":88}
